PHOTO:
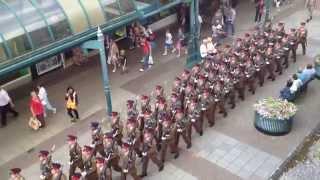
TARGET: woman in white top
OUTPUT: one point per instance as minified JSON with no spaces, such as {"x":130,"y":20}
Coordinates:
{"x":297,"y":83}
{"x":203,"y":49}
{"x":43,"y":95}
{"x":168,"y":42}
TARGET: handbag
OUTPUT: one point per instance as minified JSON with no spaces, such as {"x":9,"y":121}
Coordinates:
{"x":34,"y":123}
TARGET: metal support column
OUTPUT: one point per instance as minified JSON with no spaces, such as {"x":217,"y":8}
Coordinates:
{"x":194,"y":36}
{"x":268,"y":4}
{"x":99,"y":45}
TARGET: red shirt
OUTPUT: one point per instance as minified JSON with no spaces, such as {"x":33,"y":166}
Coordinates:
{"x":146,"y":48}
{"x":36,"y":106}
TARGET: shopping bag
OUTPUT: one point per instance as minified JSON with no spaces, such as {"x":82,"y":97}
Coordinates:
{"x":34,"y":123}
{"x":150,"y":60}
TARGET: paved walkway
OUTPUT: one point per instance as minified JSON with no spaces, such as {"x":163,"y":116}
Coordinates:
{"x":233,"y":149}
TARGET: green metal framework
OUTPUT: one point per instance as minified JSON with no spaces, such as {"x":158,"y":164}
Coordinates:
{"x":58,"y":46}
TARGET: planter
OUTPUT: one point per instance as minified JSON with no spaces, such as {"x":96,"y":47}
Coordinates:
{"x":271,"y":126}
{"x":317,"y":66}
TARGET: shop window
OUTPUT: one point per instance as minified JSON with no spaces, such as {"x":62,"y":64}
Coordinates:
{"x":2,"y":53}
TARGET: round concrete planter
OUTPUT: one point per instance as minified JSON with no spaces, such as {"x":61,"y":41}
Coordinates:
{"x":317,"y":66}
{"x":271,"y":126}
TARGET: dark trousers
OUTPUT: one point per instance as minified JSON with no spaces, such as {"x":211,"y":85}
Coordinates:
{"x":40,"y":117}
{"x":257,"y":18}
{"x":4,"y":110}
{"x":73,"y":113}
{"x":303,"y":44}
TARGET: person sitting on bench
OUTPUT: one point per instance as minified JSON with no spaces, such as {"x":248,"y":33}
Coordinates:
{"x":285,"y":93}
{"x":296,"y":84}
{"x":309,"y":72}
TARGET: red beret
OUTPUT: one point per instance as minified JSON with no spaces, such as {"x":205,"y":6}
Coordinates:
{"x":147,"y":113}
{"x":239,"y":39}
{"x":302,"y":23}
{"x":144,"y":97}
{"x":43,"y":153}
{"x":131,"y":120}
{"x":202,"y":77}
{"x":114,"y":114}
{"x":247,"y":35}
{"x":94,"y":124}
{"x":56,"y":166}
{"x":158,"y":87}
{"x":174,"y":95}
{"x":71,"y":137}
{"x":108,"y":135}
{"x":186,"y":71}
{"x":130,"y":102}
{"x":162,"y":101}
{"x":15,"y":170}
{"x":227,"y":46}
{"x":177,"y":79}
{"x":100,"y":160}
{"x":206,"y":91}
{"x":87,"y":148}
{"x":76,"y":176}
{"x":126,"y":144}
{"x":179,"y":111}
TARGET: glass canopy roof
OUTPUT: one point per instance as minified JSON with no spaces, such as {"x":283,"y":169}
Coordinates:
{"x":26,"y":25}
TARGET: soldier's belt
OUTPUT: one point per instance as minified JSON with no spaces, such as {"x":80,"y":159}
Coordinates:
{"x":258,"y":69}
{"x":125,"y":170}
{"x":216,"y":100}
{"x":267,"y":62}
{"x":144,"y":153}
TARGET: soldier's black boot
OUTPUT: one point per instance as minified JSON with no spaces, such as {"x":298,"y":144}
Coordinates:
{"x":143,"y":175}
{"x":189,"y":146}
{"x":176,"y":155}
{"x":161,"y":167}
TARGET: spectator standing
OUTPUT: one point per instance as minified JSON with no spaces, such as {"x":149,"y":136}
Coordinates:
{"x":151,"y":37}
{"x":113,"y":56}
{"x":43,"y":95}
{"x":259,"y":10}
{"x":309,"y":72}
{"x":230,"y":19}
{"x":296,"y":84}
{"x":37,"y":108}
{"x":72,"y":102}
{"x":6,"y":105}
{"x":123,"y":61}
{"x":146,"y":54}
{"x":310,"y":5}
{"x":168,"y":44}
{"x":203,"y":49}
{"x":180,"y":43}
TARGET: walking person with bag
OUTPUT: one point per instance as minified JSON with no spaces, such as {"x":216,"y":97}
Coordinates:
{"x":72,"y":102}
{"x":6,"y":105}
{"x":43,"y":95}
{"x":146,"y":54}
{"x":37,"y":109}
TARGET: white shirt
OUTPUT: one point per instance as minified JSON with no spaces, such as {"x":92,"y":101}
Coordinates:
{"x":203,"y":50}
{"x":211,"y":48}
{"x":200,"y":19}
{"x":169,"y":38}
{"x":43,"y":95}
{"x":295,"y":85}
{"x":4,"y":97}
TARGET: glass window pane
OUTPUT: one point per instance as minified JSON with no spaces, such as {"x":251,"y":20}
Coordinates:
{"x":55,"y":17}
{"x":32,"y":21}
{"x":126,"y":6}
{"x":94,"y":12}
{"x":111,"y":9}
{"x":13,"y":32}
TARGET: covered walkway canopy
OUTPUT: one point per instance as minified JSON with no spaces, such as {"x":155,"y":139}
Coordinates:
{"x":32,"y":30}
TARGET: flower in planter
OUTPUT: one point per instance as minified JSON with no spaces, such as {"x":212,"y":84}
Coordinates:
{"x":275,"y":108}
{"x":317,"y":60}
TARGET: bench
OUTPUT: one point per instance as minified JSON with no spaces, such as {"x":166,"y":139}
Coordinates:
{"x":291,"y":97}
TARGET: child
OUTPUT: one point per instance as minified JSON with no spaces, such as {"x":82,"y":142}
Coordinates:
{"x":168,"y":42}
{"x":180,"y":43}
{"x":123,"y":61}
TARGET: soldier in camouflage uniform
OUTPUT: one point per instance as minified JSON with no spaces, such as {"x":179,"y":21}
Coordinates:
{"x":269,"y":59}
{"x":286,"y":49}
{"x":128,"y":162}
{"x":89,"y":164}
{"x":45,"y":165}
{"x":111,"y":151}
{"x":182,"y":123}
{"x":302,"y":37}
{"x":145,"y":106}
{"x":219,"y":97}
{"x":167,"y":139}
{"x":195,"y":117}
{"x":103,"y":172}
{"x":293,"y":40}
{"x":117,"y":127}
{"x":149,"y":151}
{"x":278,"y":53}
{"x":57,"y":173}
{"x":249,"y":74}
{"x":75,"y":155}
{"x":97,"y":138}
{"x":206,"y":102}
{"x":259,"y":65}
{"x":175,"y":104}
{"x":133,"y":135}
{"x":131,"y":109}
{"x":15,"y":174}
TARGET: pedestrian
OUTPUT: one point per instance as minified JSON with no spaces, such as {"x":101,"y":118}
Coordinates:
{"x":78,"y":57}
{"x":37,"y":108}
{"x":72,"y":102}
{"x":310,"y":5}
{"x":180,"y":43}
{"x":230,"y":19}
{"x":259,"y":10}
{"x":146,"y":54}
{"x":15,"y":174}
{"x":113,"y":55}
{"x":43,"y":95}
{"x":168,"y":42}
{"x":6,"y":105}
{"x":123,"y":61}
{"x":296,"y":84}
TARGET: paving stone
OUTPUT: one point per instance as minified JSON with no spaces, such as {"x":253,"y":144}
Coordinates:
{"x":244,"y":174}
{"x":233,"y":168}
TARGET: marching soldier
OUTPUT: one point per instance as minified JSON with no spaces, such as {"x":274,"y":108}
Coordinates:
{"x":175,"y":104}
{"x":178,"y":89}
{"x":182,"y":124}
{"x":194,"y":114}
{"x":185,"y":77}
{"x":112,"y":155}
{"x":167,"y":139}
{"x":238,"y":79}
{"x":190,"y":94}
{"x":103,"y":171}
{"x":260,"y":68}
{"x":293,"y":43}
{"x":160,"y":116}
{"x":45,"y":165}
{"x":149,"y":151}
{"x":206,"y":103}
{"x":269,"y":59}
{"x":145,"y":106}
{"x":97,"y":138}
{"x":15,"y":174}
{"x":75,"y":155}
{"x":132,"y":109}
{"x":278,"y":53}
{"x":286,"y":49}
{"x":219,"y":97}
{"x":280,"y":31}
{"x":128,"y":162}
{"x":89,"y":165}
{"x":249,"y":73}
{"x":229,"y":91}
{"x":57,"y":173}
{"x":133,"y":136}
{"x":302,"y":37}
{"x":117,"y":127}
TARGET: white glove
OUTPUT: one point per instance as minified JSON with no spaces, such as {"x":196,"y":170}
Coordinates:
{"x":83,"y":174}
{"x":42,"y":176}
